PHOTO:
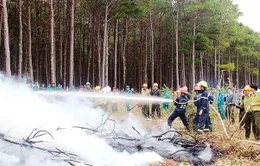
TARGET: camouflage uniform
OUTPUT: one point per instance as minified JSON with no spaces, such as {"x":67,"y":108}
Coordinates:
{"x":248,"y":118}
{"x":255,"y":99}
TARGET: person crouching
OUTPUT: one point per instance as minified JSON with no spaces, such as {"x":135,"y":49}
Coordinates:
{"x":181,"y":103}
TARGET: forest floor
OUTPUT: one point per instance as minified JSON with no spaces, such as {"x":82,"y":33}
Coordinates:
{"x":236,"y":151}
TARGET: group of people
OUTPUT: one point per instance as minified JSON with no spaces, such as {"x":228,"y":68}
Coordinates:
{"x":202,"y":99}
{"x":247,"y":101}
{"x":58,"y":87}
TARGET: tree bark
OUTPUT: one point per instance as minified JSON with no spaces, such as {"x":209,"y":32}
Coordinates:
{"x":215,"y":61}
{"x":61,"y":51}
{"x":52,"y":44}
{"x":237,"y":74}
{"x":29,"y":41}
{"x":152,"y":49}
{"x":146,"y":57}
{"x":124,"y":52}
{"x":99,"y":57}
{"x":201,"y":66}
{"x":72,"y":6}
{"x":105,"y":48}
{"x":183,"y":70}
{"x":115,"y":52}
{"x":20,"y":45}
{"x":1,"y":23}
{"x":219,"y":74}
{"x":257,"y":76}
{"x":193,"y":52}
{"x":177,"y":49}
{"x":6,"y":40}
{"x":46,"y":64}
{"x":65,"y":64}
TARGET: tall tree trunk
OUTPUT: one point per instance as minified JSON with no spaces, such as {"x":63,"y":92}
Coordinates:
{"x":229,"y":61}
{"x":219,"y":74}
{"x":249,"y":72}
{"x":1,"y":23}
{"x":105,"y":48}
{"x":124,"y":52}
{"x":184,"y":83}
{"x":201,"y":66}
{"x":29,"y":41}
{"x":215,"y":61}
{"x":152,"y":48}
{"x":61,"y":51}
{"x":20,"y":45}
{"x":237,"y":74}
{"x":6,"y":40}
{"x":146,"y":57}
{"x":193,"y":52}
{"x":257,"y":76}
{"x":65,"y":64}
{"x":99,"y":56}
{"x":46,"y":64}
{"x":91,"y":54}
{"x":72,"y":6}
{"x":115,"y":52}
{"x":177,"y":49}
{"x":52,"y":46}
{"x":160,"y":65}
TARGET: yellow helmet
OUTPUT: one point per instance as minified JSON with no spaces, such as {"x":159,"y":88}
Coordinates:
{"x":155,"y":84}
{"x":97,"y":88}
{"x":203,"y":83}
{"x":145,"y":85}
{"x":247,"y":88}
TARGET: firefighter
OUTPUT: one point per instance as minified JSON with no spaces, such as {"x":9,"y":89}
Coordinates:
{"x":36,"y":87}
{"x":203,"y":107}
{"x":181,"y":103}
{"x":128,"y":103}
{"x":166,"y":95}
{"x":156,"y":107}
{"x":196,"y":103}
{"x":254,"y":108}
{"x":245,"y":104}
{"x":145,"y":105}
{"x":88,"y":87}
{"x":221,"y":103}
{"x":230,"y":103}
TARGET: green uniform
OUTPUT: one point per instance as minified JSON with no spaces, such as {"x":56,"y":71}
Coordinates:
{"x":255,"y":99}
{"x":248,"y":118}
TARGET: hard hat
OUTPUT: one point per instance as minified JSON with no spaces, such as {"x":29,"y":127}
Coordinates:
{"x":155,"y":84}
{"x":127,"y":86}
{"x":88,"y":83}
{"x":97,"y":88}
{"x":247,"y":88}
{"x":203,"y":83}
{"x":106,"y":89}
{"x":183,"y":90}
{"x":197,"y":88}
{"x":145,"y":85}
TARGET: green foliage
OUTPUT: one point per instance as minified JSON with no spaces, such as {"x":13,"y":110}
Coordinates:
{"x":255,"y":71}
{"x":189,"y":59}
{"x":228,"y":67}
{"x":203,"y":43}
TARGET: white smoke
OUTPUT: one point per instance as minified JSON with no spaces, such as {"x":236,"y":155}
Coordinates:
{"x":22,"y":111}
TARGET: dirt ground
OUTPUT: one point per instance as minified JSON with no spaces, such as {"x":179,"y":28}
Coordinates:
{"x":235,"y":151}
